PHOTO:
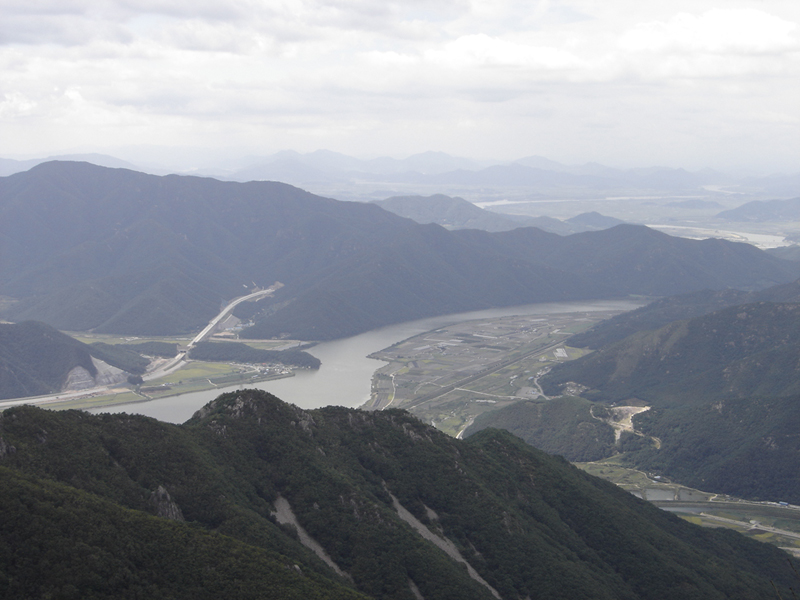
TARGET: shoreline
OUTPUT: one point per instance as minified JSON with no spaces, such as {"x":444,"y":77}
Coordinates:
{"x":87,"y":399}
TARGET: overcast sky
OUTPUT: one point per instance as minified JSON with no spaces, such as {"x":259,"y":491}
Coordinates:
{"x":622,"y":82}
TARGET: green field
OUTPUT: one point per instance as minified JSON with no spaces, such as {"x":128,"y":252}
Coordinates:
{"x":450,"y":375}
{"x":706,"y":508}
{"x":196,"y":376}
{"x":90,"y":338}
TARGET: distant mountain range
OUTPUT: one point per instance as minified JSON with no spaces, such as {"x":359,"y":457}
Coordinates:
{"x":457,"y":213}
{"x":764,"y":210}
{"x":9,"y":166}
{"x":255,"y":498}
{"x":432,"y":168}
{"x":324,"y":169}
{"x":114,"y":250}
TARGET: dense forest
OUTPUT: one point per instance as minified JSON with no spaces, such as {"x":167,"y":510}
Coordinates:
{"x":724,"y":392}
{"x":528,"y":524}
{"x":35,"y":359}
{"x":566,"y":426}
{"x":741,"y":351}
{"x":239,"y":352}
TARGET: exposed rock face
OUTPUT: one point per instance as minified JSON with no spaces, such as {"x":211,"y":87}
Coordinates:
{"x":108,"y":375}
{"x":6,"y":448}
{"x":443,"y":543}
{"x":80,"y":379}
{"x":165,"y":505}
{"x":284,"y":515}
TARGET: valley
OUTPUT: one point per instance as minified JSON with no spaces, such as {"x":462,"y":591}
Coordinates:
{"x":346,"y":371}
{"x":773,"y":522}
{"x":448,"y":376}
{"x":359,"y":300}
{"x":478,"y":331}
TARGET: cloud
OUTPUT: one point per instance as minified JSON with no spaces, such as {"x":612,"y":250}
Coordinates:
{"x":416,"y":70}
{"x":14,"y":104}
{"x":481,"y":50}
{"x":719,"y":43}
{"x":717,"y":31}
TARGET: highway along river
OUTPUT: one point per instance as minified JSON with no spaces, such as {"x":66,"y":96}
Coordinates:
{"x":345,"y":376}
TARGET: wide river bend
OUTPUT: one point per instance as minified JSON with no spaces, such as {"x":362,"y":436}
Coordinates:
{"x":345,"y":376}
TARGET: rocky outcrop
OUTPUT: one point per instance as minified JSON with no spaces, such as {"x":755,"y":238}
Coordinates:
{"x":80,"y":379}
{"x":165,"y":505}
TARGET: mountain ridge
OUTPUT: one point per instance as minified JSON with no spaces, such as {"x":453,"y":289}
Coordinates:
{"x":529,"y":524}
{"x":128,"y":253}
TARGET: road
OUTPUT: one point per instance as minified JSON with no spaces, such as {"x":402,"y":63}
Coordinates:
{"x":225,"y":311}
{"x":176,"y":363}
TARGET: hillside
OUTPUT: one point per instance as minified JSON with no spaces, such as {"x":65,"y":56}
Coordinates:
{"x":746,"y":447}
{"x":381,"y":493}
{"x":675,"y":308}
{"x":36,"y":359}
{"x":764,"y":210}
{"x":723,"y":390}
{"x":565,"y":426}
{"x":66,"y":543}
{"x":735,"y":352}
{"x":112,"y":250}
{"x":657,"y":314}
{"x":637,"y":260}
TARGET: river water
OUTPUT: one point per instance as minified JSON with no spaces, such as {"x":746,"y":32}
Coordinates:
{"x":345,"y":377}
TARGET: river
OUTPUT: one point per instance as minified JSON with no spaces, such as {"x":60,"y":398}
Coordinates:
{"x":345,"y":376}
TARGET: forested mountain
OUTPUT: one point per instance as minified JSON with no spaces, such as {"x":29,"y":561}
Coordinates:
{"x":398,"y":510}
{"x":675,"y":308}
{"x":112,"y":250}
{"x":36,"y":359}
{"x":637,"y":260}
{"x":724,"y":392}
{"x":738,"y":352}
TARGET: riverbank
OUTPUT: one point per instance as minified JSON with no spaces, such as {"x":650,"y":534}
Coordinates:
{"x":95,"y":399}
{"x":345,"y":376}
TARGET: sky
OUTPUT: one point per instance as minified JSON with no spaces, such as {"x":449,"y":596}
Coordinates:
{"x":626,"y":83}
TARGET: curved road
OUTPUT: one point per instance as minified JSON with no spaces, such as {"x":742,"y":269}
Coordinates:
{"x":176,"y":363}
